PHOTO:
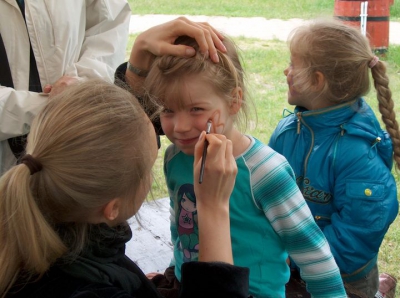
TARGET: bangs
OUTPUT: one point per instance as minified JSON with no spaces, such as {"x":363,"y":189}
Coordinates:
{"x":174,"y":93}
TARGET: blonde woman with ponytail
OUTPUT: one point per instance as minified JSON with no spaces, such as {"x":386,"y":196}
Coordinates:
{"x":87,"y":169}
{"x":341,"y":156}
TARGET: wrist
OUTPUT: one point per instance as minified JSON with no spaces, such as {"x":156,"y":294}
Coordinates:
{"x":140,"y":57}
{"x":137,"y":71}
{"x":212,"y":209}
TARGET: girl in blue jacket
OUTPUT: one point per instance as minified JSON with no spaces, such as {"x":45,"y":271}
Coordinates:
{"x":340,"y":155}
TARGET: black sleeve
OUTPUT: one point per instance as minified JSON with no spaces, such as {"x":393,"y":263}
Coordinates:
{"x":204,"y":279}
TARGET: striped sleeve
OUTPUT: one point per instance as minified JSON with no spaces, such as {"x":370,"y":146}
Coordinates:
{"x":276,"y":193}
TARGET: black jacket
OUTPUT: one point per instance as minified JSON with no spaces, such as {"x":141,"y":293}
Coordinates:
{"x":103,"y":270}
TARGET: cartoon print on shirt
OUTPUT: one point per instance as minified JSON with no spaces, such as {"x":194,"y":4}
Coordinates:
{"x":187,"y":222}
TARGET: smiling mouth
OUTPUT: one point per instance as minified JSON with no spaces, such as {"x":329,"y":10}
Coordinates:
{"x":186,"y":141}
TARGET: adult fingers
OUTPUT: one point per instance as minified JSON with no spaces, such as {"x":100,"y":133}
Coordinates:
{"x":207,"y":37}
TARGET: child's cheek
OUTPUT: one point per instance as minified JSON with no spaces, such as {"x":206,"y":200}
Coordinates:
{"x":166,"y":127}
{"x":217,"y":123}
{"x":290,"y":81}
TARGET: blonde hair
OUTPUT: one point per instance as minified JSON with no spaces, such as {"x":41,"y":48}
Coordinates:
{"x":342,"y":54}
{"x":90,"y":142}
{"x":169,"y":72}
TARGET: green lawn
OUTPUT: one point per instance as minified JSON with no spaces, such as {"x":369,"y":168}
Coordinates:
{"x":303,"y":9}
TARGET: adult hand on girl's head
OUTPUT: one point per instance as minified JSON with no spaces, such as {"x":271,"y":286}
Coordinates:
{"x":159,"y":40}
{"x":219,"y":172}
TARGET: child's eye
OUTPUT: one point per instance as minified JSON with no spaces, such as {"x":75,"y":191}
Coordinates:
{"x":196,"y":109}
{"x":166,"y":111}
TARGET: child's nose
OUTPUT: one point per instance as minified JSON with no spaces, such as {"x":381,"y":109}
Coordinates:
{"x":286,"y":71}
{"x":182,"y":123}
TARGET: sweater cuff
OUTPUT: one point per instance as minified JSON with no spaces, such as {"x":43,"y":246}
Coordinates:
{"x":214,"y":279}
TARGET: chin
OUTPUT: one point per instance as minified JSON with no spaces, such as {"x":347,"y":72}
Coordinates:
{"x":187,"y":151}
{"x":292,"y":101}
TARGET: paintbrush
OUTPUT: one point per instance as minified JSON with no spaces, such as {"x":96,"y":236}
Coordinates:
{"x":203,"y":160}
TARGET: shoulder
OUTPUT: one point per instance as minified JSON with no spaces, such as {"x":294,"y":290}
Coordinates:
{"x":287,"y":121}
{"x":283,"y":132}
{"x":267,"y":167}
{"x":170,"y":152}
{"x":262,"y":155}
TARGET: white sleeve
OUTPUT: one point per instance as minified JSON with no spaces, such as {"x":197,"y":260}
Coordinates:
{"x":17,"y":110}
{"x":105,"y":41}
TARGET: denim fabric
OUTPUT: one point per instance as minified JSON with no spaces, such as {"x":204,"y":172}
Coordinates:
{"x":368,"y":285}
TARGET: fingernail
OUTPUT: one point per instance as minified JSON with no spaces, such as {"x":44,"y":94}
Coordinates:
{"x":190,"y":52}
{"x":215,"y":58}
{"x":223,"y":46}
{"x":203,"y":133}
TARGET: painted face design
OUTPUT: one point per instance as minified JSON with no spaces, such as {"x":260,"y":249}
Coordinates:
{"x":186,"y":114}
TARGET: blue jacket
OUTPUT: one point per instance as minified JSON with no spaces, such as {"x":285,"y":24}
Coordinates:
{"x":342,"y":160}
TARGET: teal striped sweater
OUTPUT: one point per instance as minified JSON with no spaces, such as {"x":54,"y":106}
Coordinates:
{"x":269,"y":219}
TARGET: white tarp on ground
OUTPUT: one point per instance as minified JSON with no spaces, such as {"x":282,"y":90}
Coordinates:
{"x":150,"y":246}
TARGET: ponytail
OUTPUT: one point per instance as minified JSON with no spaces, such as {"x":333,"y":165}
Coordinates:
{"x":386,"y":107}
{"x":73,"y":168}
{"x":28,"y":245}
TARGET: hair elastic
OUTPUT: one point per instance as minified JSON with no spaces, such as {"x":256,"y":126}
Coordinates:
{"x":33,"y":164}
{"x":373,"y":62}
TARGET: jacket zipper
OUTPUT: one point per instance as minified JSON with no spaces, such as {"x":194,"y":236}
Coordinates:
{"x":299,"y":122}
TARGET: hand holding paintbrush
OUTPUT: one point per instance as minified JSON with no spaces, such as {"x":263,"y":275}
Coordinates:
{"x":213,"y":195}
{"x":203,"y":161}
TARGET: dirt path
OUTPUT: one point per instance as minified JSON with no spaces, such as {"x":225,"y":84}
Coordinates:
{"x":255,"y":27}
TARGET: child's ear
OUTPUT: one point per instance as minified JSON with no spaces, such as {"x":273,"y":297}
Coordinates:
{"x":236,"y":103}
{"x":111,"y":210}
{"x":319,"y":81}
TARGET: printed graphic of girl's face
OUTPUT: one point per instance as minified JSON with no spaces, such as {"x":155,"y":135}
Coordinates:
{"x":187,"y":204}
{"x":186,"y":116}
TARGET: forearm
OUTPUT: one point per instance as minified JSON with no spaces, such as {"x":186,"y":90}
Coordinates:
{"x":17,"y":111}
{"x":317,"y":264}
{"x":141,"y":59}
{"x":214,"y":234}
{"x":106,"y":37}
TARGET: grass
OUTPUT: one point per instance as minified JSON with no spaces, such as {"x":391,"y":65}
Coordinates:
{"x":264,"y":64}
{"x":269,"y":9}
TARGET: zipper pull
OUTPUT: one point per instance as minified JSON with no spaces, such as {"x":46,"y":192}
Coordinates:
{"x":298,"y":122}
{"x":377,"y":140}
